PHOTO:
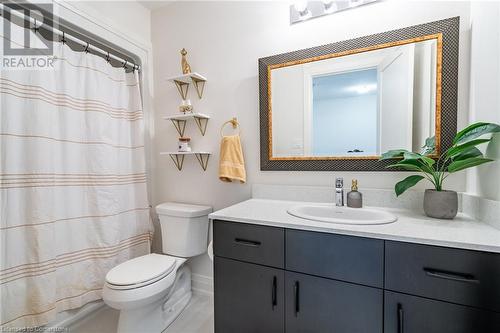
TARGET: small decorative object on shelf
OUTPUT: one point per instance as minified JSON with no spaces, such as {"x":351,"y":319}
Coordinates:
{"x":179,"y":121}
{"x":178,"y":158}
{"x":184,"y":144}
{"x":186,"y":69}
{"x":186,"y":106}
{"x":463,"y":154}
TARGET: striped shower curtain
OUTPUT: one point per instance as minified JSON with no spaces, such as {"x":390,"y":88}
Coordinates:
{"x":72,"y":184}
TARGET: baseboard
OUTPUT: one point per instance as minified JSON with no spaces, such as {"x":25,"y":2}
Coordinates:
{"x":70,"y":317}
{"x":202,"y":284}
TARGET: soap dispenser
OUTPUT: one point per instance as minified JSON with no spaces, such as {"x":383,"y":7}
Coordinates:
{"x":354,"y":198}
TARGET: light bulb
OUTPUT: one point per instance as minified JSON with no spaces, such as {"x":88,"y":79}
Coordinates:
{"x":300,"y":6}
{"x":330,"y":6}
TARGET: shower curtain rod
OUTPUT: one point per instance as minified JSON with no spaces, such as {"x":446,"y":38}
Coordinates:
{"x":65,"y":36}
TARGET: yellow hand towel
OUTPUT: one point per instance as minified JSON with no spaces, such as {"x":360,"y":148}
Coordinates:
{"x":231,"y":164}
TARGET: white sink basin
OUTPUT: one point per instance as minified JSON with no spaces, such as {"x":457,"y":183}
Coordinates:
{"x":342,"y":215}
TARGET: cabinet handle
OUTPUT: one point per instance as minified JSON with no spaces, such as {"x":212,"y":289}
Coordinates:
{"x":400,"y":318}
{"x":461,"y":277}
{"x":274,"y":293}
{"x":247,"y":242}
{"x":296,"y":297}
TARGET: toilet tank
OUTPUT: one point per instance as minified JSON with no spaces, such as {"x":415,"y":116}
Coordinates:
{"x":184,"y":228}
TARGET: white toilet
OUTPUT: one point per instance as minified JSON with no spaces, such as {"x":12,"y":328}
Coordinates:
{"x":151,"y":291}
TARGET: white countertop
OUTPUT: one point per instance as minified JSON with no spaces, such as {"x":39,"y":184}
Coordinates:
{"x":462,"y":232}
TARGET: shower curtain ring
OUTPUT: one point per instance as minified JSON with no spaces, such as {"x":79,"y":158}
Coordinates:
{"x":125,"y":64}
{"x":86,"y":48}
{"x":35,"y":28}
{"x":107,"y":57}
{"x":63,"y":40}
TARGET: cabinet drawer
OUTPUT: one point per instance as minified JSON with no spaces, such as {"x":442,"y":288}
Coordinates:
{"x":251,"y":243}
{"x":412,"y":314}
{"x":353,"y":259}
{"x":458,"y":276}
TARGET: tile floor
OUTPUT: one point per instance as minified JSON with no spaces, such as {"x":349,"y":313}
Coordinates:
{"x":197,"y":317}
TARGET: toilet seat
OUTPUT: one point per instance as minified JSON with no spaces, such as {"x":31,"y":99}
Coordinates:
{"x":140,"y":271}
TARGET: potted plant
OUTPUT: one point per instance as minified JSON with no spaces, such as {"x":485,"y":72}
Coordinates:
{"x":463,"y":154}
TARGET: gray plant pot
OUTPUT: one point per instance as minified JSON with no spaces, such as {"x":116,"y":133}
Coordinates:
{"x":441,"y":204}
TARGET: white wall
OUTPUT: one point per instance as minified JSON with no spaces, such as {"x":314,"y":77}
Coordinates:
{"x":126,"y":17}
{"x":485,"y":92}
{"x":224,"y":41}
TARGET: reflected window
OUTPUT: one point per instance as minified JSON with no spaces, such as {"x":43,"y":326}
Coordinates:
{"x":344,"y":119}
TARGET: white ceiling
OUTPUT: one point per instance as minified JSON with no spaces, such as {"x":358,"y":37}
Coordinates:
{"x":152,"y":5}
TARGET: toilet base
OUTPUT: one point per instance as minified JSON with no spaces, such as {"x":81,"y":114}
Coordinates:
{"x":157,"y":316}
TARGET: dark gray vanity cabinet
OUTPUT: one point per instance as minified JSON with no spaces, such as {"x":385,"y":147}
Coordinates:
{"x":270,"y":279}
{"x":249,"y":297}
{"x":316,"y":289}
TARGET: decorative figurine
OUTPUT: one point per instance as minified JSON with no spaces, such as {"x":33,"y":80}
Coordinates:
{"x":186,"y":69}
{"x":186,"y":106}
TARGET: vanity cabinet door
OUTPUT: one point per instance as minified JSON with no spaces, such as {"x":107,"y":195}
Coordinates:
{"x":413,"y":314}
{"x":318,"y":305}
{"x":248,"y":297}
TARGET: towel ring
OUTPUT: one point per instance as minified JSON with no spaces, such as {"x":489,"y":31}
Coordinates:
{"x":234,"y":122}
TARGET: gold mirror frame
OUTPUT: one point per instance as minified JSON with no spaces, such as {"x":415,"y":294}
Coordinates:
{"x":439,"y":64}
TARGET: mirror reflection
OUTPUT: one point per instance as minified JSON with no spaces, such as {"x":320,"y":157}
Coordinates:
{"x":357,"y":105}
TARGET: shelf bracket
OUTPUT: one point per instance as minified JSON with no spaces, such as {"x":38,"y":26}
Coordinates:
{"x":180,"y":125}
{"x":178,"y":160}
{"x":202,"y":124}
{"x":183,"y":88}
{"x":199,"y":85}
{"x":203,"y":159}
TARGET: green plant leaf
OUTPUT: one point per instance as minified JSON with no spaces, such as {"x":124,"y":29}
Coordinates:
{"x":408,"y":167}
{"x":414,"y":156}
{"x":406,"y":183}
{"x":392,"y":154}
{"x":469,"y":153}
{"x":412,"y":165}
{"x":430,"y":146}
{"x":459,"y":149}
{"x":474,"y":131}
{"x":467,"y":163}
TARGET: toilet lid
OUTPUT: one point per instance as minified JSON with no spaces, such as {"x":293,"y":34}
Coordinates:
{"x":141,"y":270}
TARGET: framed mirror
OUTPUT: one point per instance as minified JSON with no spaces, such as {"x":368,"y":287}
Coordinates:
{"x":340,"y":106}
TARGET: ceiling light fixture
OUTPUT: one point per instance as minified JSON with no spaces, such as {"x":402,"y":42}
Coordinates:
{"x":303,"y":10}
{"x":330,"y":6}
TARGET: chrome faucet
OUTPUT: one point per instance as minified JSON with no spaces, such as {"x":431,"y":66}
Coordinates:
{"x":339,"y":191}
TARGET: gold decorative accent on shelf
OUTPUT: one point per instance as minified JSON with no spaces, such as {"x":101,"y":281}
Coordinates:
{"x":180,"y":125}
{"x":182,"y":83}
{"x":179,"y":121}
{"x":234,"y":122}
{"x":178,"y":158}
{"x":202,"y":124}
{"x":199,"y":85}
{"x":203,"y":160}
{"x":186,"y":69}
{"x":182,"y":87}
